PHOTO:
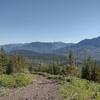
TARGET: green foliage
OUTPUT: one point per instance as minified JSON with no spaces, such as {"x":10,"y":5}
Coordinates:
{"x":55,"y":77}
{"x":7,"y":81}
{"x":13,"y":64}
{"x":78,"y":89}
{"x":22,"y":79}
{"x":89,"y":69}
{"x":51,"y":68}
{"x":54,"y":69}
{"x":71,"y":69}
{"x":71,"y":59}
{"x":16,"y":64}
{"x":3,"y":61}
{"x":15,"y":80}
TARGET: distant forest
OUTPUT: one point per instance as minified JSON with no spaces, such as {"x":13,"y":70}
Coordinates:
{"x":89,"y":69}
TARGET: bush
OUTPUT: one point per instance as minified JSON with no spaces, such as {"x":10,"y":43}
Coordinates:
{"x":79,"y":89}
{"x":15,"y":80}
{"x":7,"y":81}
{"x":23,"y":79}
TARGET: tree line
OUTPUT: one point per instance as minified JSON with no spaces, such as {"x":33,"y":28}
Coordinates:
{"x":88,"y":69}
{"x":11,"y":63}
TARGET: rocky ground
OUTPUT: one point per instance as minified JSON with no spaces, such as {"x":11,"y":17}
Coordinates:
{"x":44,"y":89}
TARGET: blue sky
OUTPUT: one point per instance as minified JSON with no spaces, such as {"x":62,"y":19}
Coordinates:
{"x":48,"y":20}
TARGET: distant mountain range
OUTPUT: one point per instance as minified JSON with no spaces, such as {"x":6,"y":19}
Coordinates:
{"x":39,"y":47}
{"x":87,"y":47}
{"x":83,"y":49}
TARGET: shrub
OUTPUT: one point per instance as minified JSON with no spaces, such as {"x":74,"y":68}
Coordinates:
{"x":22,"y":79}
{"x":15,"y":80}
{"x":7,"y":81}
{"x":79,"y":89}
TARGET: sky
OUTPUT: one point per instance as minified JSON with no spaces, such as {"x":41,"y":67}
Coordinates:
{"x":24,"y":21}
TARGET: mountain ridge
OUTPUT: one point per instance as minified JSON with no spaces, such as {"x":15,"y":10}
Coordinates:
{"x":82,"y":49}
{"x":40,"y":47}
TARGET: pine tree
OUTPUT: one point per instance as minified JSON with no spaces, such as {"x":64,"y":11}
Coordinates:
{"x":94,"y":71}
{"x":71,"y":59}
{"x":71,"y":67}
{"x":17,"y":64}
{"x":3,"y":61}
{"x":89,"y":69}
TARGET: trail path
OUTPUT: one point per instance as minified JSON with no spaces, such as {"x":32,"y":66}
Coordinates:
{"x":44,"y":89}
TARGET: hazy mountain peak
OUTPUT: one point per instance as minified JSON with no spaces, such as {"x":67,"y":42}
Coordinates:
{"x":40,"y":47}
{"x":90,"y":42}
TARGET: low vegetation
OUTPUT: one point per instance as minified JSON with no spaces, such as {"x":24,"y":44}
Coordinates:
{"x":13,"y":71}
{"x":73,"y":88}
{"x":79,"y":89}
{"x":15,"y":80}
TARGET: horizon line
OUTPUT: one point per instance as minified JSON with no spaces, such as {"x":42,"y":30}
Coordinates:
{"x":45,"y":42}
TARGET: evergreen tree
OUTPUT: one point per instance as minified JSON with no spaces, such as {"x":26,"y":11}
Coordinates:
{"x":17,"y":64}
{"x":85,"y":71}
{"x":71,"y":59}
{"x":89,"y":69}
{"x":3,"y":61}
{"x":71,"y":67}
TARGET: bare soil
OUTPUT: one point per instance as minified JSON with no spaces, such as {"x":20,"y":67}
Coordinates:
{"x":44,"y":89}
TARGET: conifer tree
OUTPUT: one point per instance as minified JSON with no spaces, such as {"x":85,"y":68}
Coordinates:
{"x":71,"y":67}
{"x":71,"y":59}
{"x":17,"y":64}
{"x":3,"y":61}
{"x":89,"y":69}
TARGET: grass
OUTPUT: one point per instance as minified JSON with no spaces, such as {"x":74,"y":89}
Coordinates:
{"x":72,"y":88}
{"x":22,"y":79}
{"x":15,"y":80}
{"x":79,"y":89}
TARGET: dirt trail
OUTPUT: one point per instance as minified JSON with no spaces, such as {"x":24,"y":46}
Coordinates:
{"x":44,"y":89}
